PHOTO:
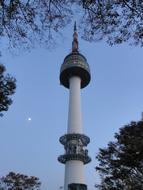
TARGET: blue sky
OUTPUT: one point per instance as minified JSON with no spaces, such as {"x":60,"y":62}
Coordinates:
{"x":112,"y":99}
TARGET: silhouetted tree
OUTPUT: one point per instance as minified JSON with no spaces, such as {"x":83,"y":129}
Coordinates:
{"x":116,"y":21}
{"x":16,"y":181}
{"x":7,"y":88}
{"x":121,"y":163}
{"x":29,"y":21}
{"x":24,"y":22}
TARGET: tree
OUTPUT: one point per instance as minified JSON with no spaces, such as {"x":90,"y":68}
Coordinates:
{"x":7,"y":88}
{"x":16,"y":181}
{"x":116,"y":21}
{"x":121,"y":163}
{"x":25,"y":22}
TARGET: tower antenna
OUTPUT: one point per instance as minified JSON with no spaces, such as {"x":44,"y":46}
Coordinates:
{"x":75,"y":29}
{"x":75,"y":39}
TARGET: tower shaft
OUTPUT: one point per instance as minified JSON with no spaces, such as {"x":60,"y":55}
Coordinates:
{"x":74,"y":116}
{"x":74,"y":169}
{"x":74,"y":173}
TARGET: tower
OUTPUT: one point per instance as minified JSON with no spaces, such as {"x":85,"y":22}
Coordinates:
{"x":74,"y":75}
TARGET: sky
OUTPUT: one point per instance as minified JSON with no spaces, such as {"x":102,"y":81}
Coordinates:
{"x":113,"y":99}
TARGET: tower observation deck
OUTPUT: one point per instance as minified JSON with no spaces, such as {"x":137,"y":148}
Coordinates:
{"x":74,"y":75}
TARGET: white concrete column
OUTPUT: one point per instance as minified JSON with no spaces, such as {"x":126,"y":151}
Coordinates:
{"x":74,"y":116}
{"x":74,"y":173}
{"x":74,"y":169}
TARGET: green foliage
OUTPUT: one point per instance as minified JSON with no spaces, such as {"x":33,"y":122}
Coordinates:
{"x":16,"y":181}
{"x":7,"y":88}
{"x":121,"y":163}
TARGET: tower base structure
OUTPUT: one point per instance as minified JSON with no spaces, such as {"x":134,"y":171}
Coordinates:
{"x":77,"y":186}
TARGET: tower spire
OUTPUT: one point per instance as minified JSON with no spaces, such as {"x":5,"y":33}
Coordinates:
{"x":75,"y":40}
{"x":75,"y":27}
